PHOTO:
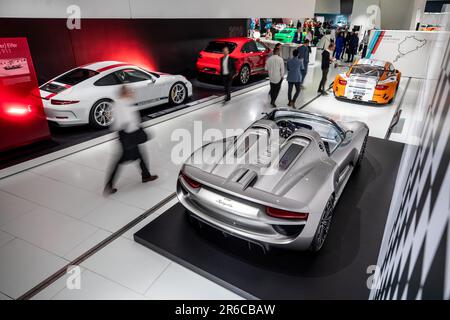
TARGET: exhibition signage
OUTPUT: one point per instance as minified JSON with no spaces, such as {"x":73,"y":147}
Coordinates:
{"x":22,"y":117}
{"x":409,"y":51}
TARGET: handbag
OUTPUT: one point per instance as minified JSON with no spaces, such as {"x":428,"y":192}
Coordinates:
{"x":141,"y":136}
{"x":134,"y":138}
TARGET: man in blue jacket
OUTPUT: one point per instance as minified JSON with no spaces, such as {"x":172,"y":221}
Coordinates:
{"x":303,"y":53}
{"x":294,"y":77}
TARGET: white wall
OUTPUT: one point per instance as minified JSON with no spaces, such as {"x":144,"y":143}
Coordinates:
{"x":158,"y":8}
{"x":328,"y":6}
{"x":400,"y":14}
{"x":366,"y":13}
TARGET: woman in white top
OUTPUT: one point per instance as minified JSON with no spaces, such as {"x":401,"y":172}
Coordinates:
{"x":127,"y":122}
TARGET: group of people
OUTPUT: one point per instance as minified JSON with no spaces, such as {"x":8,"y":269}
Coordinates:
{"x":346,"y":42}
{"x":297,"y":68}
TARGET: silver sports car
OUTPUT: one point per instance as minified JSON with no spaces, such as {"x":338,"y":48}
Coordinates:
{"x":276,"y":185}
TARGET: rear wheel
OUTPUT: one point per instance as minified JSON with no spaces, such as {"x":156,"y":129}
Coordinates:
{"x":178,"y":93}
{"x":244,"y":74}
{"x":101,"y":114}
{"x":324,"y":226}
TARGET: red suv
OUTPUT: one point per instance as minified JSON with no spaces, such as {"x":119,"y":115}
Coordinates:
{"x":250,"y":56}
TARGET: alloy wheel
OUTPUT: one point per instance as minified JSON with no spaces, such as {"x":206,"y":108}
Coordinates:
{"x":324,"y":225}
{"x":103,"y":114}
{"x":244,"y":75}
{"x":178,"y":93}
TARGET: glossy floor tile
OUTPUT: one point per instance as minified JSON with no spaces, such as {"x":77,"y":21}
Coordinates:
{"x":96,"y":287}
{"x":23,"y":266}
{"x":178,"y":282}
{"x":50,"y":230}
{"x":128,"y":263}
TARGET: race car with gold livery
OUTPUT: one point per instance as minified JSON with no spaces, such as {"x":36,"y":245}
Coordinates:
{"x":368,"y":80}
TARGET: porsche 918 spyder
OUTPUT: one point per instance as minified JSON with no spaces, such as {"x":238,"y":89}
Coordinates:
{"x":368,"y":80}
{"x":85,"y":94}
{"x":286,"y":195}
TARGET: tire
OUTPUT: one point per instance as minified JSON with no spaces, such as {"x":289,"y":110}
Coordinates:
{"x":101,"y":116}
{"x":244,"y":75}
{"x":361,"y":152}
{"x":324,"y":226}
{"x":178,"y":93}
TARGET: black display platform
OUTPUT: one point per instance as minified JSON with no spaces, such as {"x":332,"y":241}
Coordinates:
{"x":338,"y":271}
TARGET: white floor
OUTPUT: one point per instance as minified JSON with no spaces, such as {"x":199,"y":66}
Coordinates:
{"x":53,"y":213}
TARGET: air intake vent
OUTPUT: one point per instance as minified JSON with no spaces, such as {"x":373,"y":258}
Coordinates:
{"x":290,"y":155}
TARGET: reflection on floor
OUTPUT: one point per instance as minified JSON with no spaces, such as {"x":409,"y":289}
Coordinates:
{"x":53,"y":213}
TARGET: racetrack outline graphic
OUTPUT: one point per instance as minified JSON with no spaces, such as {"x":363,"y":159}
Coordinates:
{"x":410,"y":48}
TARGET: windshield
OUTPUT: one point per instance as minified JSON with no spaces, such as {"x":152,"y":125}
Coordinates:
{"x":76,"y":76}
{"x":367,"y":71}
{"x":217,"y":46}
{"x":330,"y":132}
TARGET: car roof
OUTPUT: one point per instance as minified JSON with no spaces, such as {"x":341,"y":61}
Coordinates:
{"x":371,"y":62}
{"x":237,"y":40}
{"x":102,"y":66}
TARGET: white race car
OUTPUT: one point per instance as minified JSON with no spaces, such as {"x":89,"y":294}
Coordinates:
{"x":85,"y":94}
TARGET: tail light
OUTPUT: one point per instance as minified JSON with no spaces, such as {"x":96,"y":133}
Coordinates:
{"x":191,"y":182}
{"x":381,"y":87}
{"x":343,"y":82}
{"x":62,"y":102}
{"x":285,"y":214}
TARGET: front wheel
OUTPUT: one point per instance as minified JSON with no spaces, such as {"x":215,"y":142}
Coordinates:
{"x":324,"y":226}
{"x":244,"y":74}
{"x":361,"y":152}
{"x":178,"y":93}
{"x":101,"y":115}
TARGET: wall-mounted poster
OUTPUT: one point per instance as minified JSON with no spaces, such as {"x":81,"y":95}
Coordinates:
{"x":22,"y":117}
{"x":409,"y":51}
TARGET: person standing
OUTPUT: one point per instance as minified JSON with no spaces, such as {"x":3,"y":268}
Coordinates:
{"x":353,"y":46}
{"x":339,"y":46}
{"x":303,"y":54}
{"x":327,"y":58}
{"x":127,"y":122}
{"x":275,"y":68}
{"x":227,"y":71}
{"x":294,"y":77}
{"x":298,"y":37}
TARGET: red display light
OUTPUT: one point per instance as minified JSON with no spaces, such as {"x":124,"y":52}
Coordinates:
{"x":285,"y":214}
{"x":63,"y":102}
{"x":18,"y":110}
{"x":342,"y":82}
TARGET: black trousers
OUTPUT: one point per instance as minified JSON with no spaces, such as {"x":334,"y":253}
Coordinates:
{"x":274,"y":91}
{"x":323,"y":80}
{"x":128,"y":154}
{"x":227,"y":79}
{"x":291,"y":85}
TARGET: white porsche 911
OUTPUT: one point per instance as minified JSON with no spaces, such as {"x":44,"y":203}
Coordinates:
{"x":85,"y":95}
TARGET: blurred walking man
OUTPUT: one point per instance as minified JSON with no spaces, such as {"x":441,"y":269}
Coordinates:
{"x":127,"y":122}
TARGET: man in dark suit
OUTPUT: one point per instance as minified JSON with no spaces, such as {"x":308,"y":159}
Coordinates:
{"x":303,"y":53}
{"x":227,"y":71}
{"x":298,"y":37}
{"x":327,"y":58}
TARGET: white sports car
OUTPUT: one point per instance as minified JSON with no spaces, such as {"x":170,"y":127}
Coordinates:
{"x":85,"y":94}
